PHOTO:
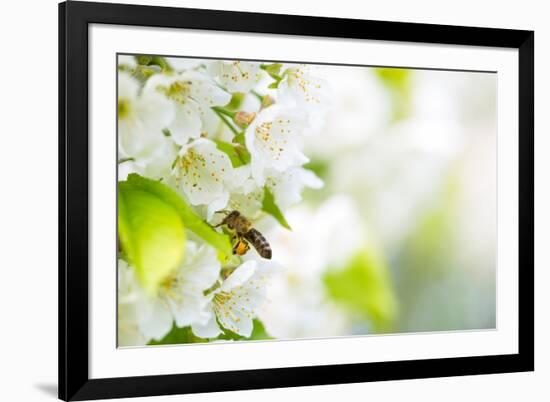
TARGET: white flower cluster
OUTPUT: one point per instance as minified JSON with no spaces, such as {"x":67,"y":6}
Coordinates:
{"x":220,"y":133}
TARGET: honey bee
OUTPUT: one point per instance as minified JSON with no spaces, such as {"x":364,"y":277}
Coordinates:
{"x":245,"y":234}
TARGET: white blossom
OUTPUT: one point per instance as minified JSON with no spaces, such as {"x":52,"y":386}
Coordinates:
{"x":130,"y":298}
{"x":169,"y":125}
{"x":184,"y":292}
{"x":158,"y":165}
{"x":307,"y":92}
{"x":301,"y":87}
{"x":141,"y":119}
{"x":236,"y":76}
{"x":234,"y":303}
{"x":203,"y":173}
{"x":193,"y":94}
{"x":274,"y":140}
{"x":180,"y":298}
{"x":286,"y":187}
{"x":249,"y":204}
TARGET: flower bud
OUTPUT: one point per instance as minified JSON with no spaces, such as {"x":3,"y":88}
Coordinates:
{"x":243,"y":119}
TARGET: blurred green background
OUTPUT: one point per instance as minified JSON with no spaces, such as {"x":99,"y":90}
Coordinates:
{"x":402,"y":237}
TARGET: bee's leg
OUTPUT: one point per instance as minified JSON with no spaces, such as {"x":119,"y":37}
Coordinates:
{"x":223,"y":222}
{"x":235,"y":240}
{"x":244,"y":249}
{"x":241,"y":247}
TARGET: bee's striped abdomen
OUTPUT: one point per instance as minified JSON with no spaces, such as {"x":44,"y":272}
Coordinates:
{"x":259,"y":242}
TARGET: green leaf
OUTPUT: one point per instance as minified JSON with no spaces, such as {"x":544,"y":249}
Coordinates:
{"x":185,"y":335}
{"x":258,"y":333}
{"x":238,"y":155}
{"x":224,"y":111}
{"x":364,"y":286}
{"x":243,"y":153}
{"x":122,"y":160}
{"x":274,"y":71}
{"x":239,"y":139}
{"x":162,"y":63}
{"x":146,"y":73}
{"x":151,"y":235}
{"x":190,"y":219}
{"x":144,"y":60}
{"x":274,"y":68}
{"x":269,"y":206}
{"x":178,"y":336}
{"x":236,"y":101}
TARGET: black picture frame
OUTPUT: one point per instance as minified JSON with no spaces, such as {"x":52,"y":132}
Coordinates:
{"x":74,"y":18}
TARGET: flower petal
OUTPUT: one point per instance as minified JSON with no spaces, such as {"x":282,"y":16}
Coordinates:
{"x":201,"y":266}
{"x":217,"y":205}
{"x":210,"y":329}
{"x":128,"y":87}
{"x":274,"y":140}
{"x":202,"y":171}
{"x":236,"y":76}
{"x":187,"y":123}
{"x":236,"y":318}
{"x":243,"y":273}
{"x":198,"y":272}
{"x":248,"y":204}
{"x":141,"y":119}
{"x":235,"y":303}
{"x":190,"y":307}
{"x":287,"y":186}
{"x":205,"y":92}
{"x":303,"y":88}
{"x":155,"y":319}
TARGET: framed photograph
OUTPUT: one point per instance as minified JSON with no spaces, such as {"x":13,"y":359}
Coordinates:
{"x":258,"y":200}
